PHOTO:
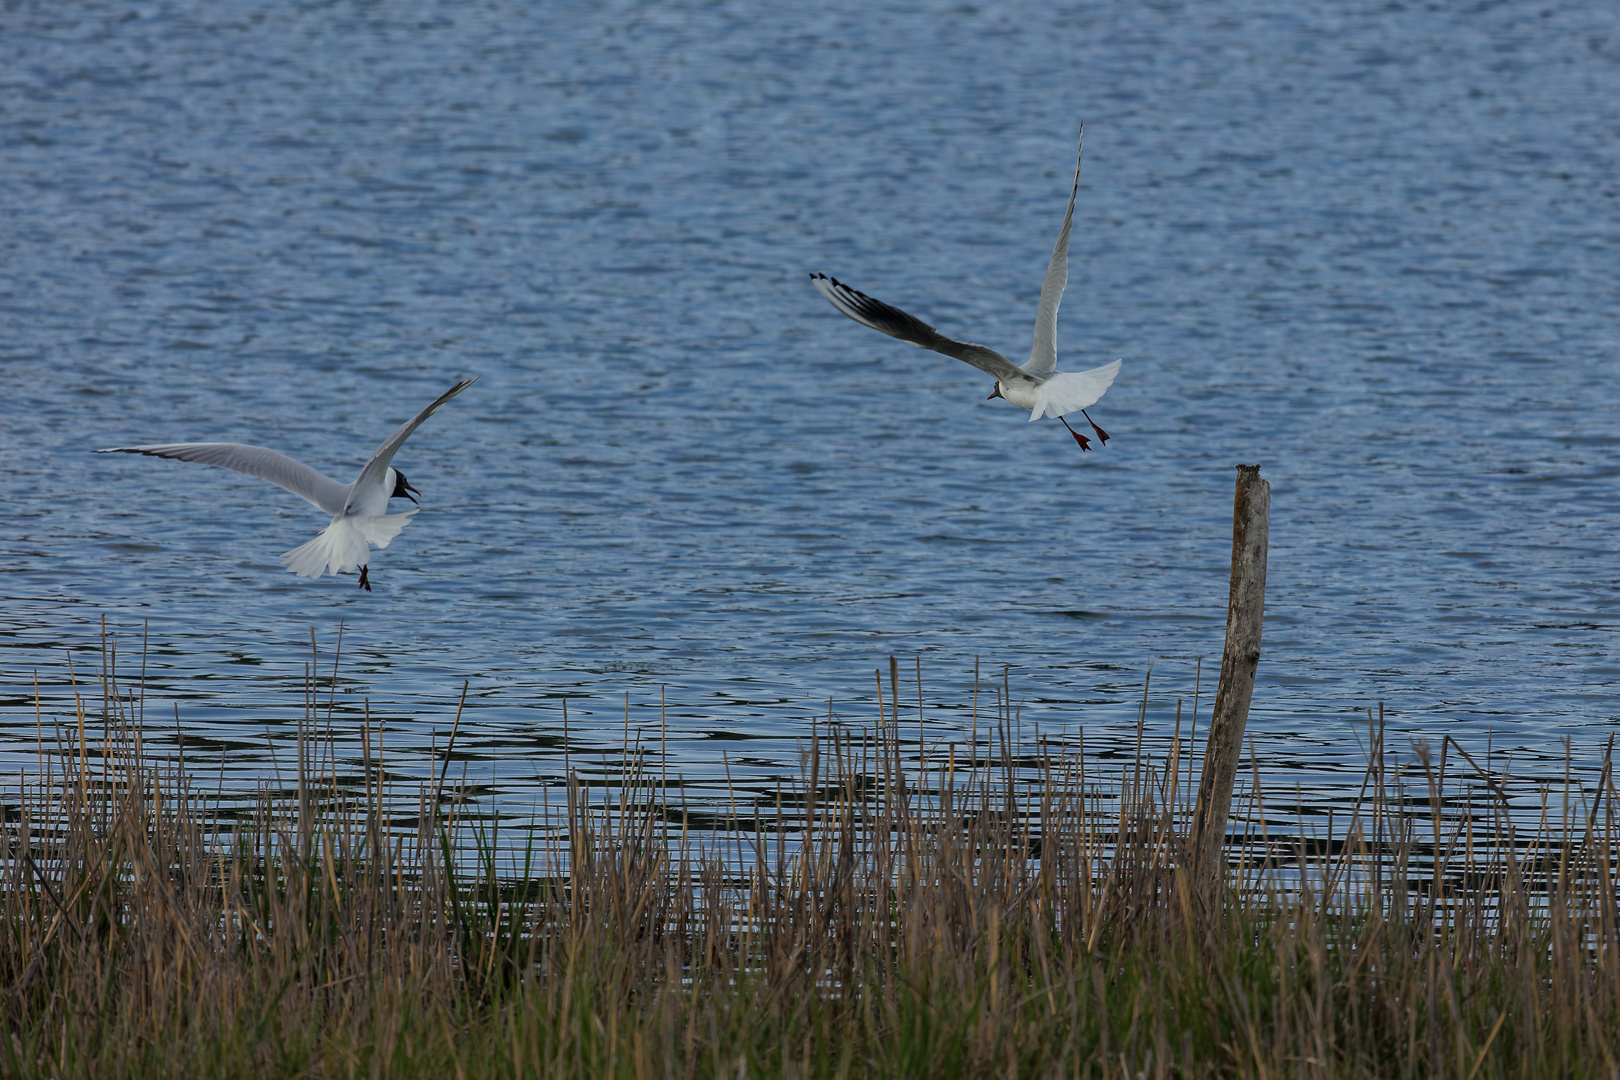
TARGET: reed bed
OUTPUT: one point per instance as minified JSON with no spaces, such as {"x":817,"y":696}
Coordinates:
{"x":1002,"y":911}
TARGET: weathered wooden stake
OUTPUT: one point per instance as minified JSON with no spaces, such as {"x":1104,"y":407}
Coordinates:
{"x":1245,"y":610}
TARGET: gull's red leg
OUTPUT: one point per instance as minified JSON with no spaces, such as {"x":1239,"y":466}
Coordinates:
{"x":1101,"y":434}
{"x":365,"y":582}
{"x":1085,"y":443}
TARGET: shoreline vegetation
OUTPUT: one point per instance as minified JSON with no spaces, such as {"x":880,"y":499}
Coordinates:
{"x":998,"y":912}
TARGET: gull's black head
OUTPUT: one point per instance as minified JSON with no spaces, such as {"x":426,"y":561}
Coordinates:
{"x":403,"y":489}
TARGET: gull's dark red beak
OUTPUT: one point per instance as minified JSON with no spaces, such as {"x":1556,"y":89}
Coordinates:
{"x":994,"y":393}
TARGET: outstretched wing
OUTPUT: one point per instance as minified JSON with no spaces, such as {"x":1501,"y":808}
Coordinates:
{"x":377,"y":464}
{"x":912,"y":330}
{"x":281,"y":470}
{"x":1043,"y":355}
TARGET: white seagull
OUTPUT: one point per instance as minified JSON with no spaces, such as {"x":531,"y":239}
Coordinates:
{"x":1037,"y":386}
{"x":360,"y":517}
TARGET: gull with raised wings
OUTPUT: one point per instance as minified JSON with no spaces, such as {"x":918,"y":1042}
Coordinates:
{"x":1037,"y":386}
{"x":360,"y":517}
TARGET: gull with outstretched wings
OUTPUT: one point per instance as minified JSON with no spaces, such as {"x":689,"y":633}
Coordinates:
{"x":360,"y":517}
{"x":1038,"y":385}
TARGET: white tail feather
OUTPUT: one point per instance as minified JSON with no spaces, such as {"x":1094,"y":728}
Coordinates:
{"x":344,"y":545}
{"x":1067,"y":391}
{"x":381,"y":530}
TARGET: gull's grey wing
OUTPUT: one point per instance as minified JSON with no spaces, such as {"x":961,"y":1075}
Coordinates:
{"x":1043,"y":355}
{"x":377,"y":464}
{"x":913,"y":331}
{"x":266,"y":464}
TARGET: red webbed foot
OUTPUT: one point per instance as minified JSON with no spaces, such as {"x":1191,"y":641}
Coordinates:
{"x":1085,"y":443}
{"x":1101,"y":434}
{"x":365,"y":582}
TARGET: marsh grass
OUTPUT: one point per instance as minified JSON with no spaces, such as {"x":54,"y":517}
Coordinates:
{"x":1005,"y":912}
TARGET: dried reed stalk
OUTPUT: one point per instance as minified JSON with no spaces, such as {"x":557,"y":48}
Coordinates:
{"x":992,"y":910}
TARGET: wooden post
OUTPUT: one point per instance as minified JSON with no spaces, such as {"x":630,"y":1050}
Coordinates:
{"x":1245,"y":610}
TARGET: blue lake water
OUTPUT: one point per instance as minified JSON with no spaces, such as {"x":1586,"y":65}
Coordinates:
{"x":1373,"y":247}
